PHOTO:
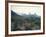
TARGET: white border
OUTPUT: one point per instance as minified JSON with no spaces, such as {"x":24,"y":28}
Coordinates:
{"x":22,"y":32}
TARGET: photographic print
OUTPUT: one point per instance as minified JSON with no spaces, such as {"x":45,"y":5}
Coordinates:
{"x":25,"y":18}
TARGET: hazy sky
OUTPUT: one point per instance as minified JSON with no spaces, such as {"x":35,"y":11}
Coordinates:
{"x":26,"y":9}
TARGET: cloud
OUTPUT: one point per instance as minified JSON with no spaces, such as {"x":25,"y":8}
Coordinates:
{"x":20,"y":9}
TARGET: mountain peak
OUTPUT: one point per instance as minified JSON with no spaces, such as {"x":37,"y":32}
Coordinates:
{"x":13,"y":13}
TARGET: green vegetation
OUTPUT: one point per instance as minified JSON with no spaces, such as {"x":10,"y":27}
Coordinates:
{"x":24,"y":22}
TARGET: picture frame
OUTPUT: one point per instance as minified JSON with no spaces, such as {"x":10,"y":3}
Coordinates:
{"x":8,"y":5}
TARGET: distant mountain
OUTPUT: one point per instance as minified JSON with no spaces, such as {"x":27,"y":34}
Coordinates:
{"x":13,"y":13}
